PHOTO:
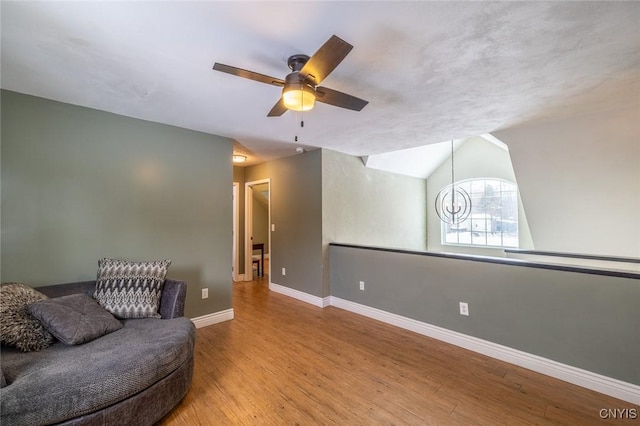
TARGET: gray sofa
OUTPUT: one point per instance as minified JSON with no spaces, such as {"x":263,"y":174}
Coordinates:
{"x":132,"y":376}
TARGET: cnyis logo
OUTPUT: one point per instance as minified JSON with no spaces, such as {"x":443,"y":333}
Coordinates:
{"x":618,"y":413}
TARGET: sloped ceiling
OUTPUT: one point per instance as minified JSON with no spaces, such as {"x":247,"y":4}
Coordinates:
{"x":418,"y":162}
{"x":422,"y":161}
{"x":432,"y":71}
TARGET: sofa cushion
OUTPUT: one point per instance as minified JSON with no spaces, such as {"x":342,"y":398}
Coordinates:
{"x":74,"y":319}
{"x":18,"y":327}
{"x":64,"y":382}
{"x":130,"y":289}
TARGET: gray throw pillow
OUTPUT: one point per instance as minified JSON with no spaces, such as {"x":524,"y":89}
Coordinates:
{"x":18,"y":327}
{"x":74,"y":319}
{"x":131,"y":289}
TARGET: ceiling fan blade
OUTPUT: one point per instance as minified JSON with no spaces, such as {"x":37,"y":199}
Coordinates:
{"x":326,"y":59}
{"x":248,"y":74}
{"x":339,"y":99}
{"x":278,"y":109}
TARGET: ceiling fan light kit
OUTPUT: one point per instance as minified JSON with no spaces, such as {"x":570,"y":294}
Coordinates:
{"x":237,"y":158}
{"x":298,"y":96}
{"x":301,"y":86}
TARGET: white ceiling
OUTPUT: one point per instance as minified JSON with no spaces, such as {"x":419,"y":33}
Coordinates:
{"x":432,"y":71}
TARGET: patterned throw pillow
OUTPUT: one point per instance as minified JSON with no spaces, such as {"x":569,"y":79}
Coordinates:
{"x":18,"y":327}
{"x":131,"y":289}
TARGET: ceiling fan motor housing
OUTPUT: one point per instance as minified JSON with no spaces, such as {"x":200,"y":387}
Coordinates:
{"x":297,"y":79}
{"x":296,"y":62}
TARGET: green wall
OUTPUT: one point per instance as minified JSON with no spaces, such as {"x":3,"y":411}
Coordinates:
{"x":296,"y":212}
{"x":372,"y":207}
{"x":79,"y":184}
{"x":365,"y":206}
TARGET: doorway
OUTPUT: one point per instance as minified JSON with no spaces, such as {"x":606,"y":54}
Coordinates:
{"x":257,"y":228}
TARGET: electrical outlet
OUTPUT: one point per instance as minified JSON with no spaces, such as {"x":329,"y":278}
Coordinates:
{"x":362,"y":285}
{"x":464,"y":308}
{"x":284,"y":271}
{"x":205,"y":293}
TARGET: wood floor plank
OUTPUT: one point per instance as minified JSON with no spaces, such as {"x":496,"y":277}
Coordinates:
{"x":282,"y":361}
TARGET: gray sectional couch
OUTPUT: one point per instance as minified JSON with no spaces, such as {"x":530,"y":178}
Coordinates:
{"x":132,"y":376}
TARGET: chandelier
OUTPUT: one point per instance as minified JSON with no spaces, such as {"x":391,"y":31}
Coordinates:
{"x":453,"y":203}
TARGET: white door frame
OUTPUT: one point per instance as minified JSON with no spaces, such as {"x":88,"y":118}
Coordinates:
{"x":236,"y":232}
{"x":248,"y":227}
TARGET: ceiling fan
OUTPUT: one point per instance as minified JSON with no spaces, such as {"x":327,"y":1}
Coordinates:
{"x":300,"y":88}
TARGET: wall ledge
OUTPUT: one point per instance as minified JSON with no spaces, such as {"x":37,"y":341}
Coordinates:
{"x":611,"y":263}
{"x":501,"y":261}
{"x":574,"y":255}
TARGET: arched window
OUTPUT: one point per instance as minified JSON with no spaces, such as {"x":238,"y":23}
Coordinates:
{"x":493,"y":221}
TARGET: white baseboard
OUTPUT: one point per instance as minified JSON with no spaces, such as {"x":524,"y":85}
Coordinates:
{"x":606,"y":385}
{"x":321,"y":302}
{"x":213,"y":318}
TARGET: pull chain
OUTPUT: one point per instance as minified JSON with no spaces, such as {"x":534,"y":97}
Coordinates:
{"x":301,"y":114}
{"x":301,"y":110}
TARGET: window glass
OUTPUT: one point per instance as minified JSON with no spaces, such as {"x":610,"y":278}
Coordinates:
{"x":493,"y":220}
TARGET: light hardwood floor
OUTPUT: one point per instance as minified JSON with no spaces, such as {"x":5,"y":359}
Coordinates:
{"x":282,"y":361}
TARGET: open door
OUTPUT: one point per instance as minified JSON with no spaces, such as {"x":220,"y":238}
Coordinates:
{"x":263,"y":185}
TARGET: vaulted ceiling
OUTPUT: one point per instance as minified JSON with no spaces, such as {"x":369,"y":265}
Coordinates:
{"x":432,"y":71}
